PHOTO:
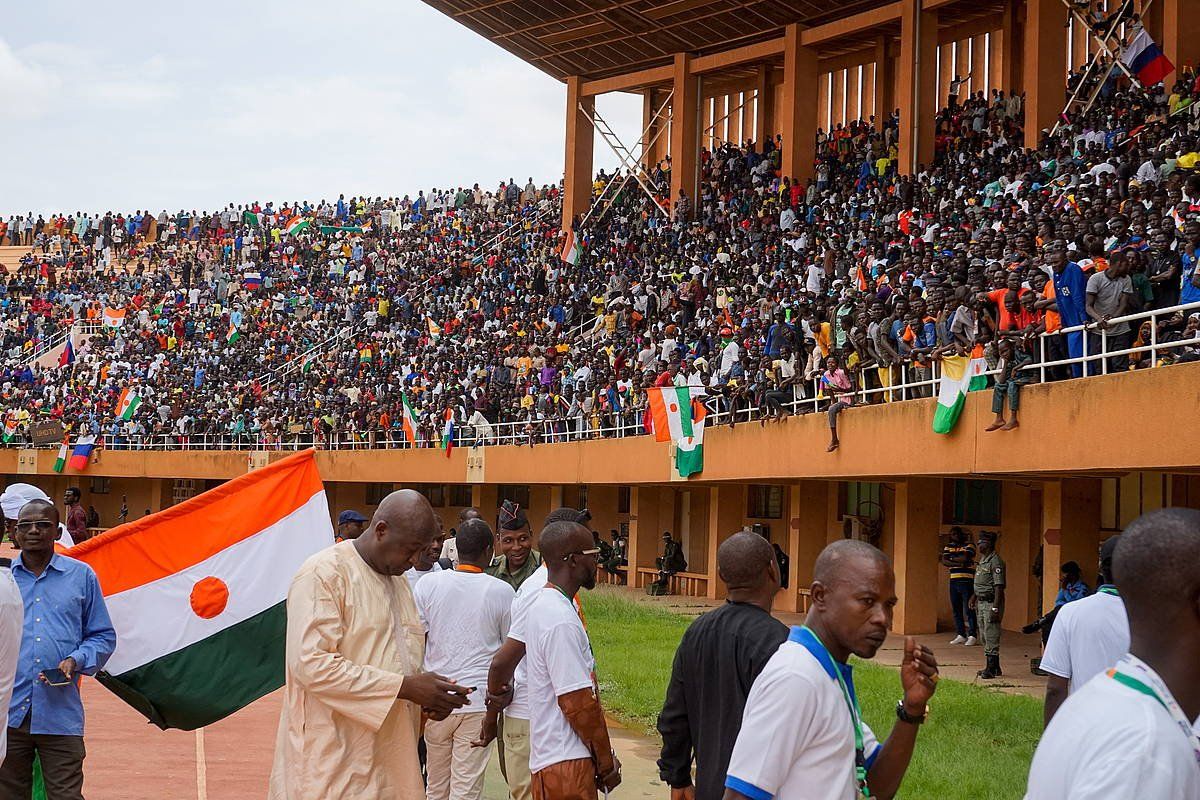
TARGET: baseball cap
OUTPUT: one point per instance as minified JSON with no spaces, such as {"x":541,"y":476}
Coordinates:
{"x":350,"y":516}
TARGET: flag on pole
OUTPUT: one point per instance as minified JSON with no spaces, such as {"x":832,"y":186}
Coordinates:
{"x":296,"y":225}
{"x":60,"y":463}
{"x":409,"y":421}
{"x":128,"y":403}
{"x":448,"y":433}
{"x":671,"y":412}
{"x":197,"y":593}
{"x":232,"y":335}
{"x":1144,"y":58}
{"x":689,"y":451}
{"x":113,"y":317}
{"x":572,"y":249}
{"x":67,"y":357}
{"x":81,"y":456}
{"x":960,"y":374}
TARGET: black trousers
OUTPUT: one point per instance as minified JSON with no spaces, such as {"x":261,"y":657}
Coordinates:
{"x":62,"y":765}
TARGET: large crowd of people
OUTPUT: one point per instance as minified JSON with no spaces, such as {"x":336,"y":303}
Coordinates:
{"x":295,"y":322}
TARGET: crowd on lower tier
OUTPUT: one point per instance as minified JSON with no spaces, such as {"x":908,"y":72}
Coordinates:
{"x":370,"y":322}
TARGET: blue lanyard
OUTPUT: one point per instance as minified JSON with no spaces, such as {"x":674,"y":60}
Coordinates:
{"x":860,"y":761}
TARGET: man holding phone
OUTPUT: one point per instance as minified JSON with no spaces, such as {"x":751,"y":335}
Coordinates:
{"x":66,"y":632}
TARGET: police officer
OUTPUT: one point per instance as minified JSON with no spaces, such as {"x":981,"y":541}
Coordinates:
{"x":988,"y":601}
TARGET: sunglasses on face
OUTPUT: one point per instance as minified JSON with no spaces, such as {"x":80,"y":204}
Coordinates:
{"x":42,"y":526}
{"x":595,"y":551}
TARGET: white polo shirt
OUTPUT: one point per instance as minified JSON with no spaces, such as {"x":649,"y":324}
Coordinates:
{"x":519,"y":707}
{"x":12,"y":621}
{"x":797,"y":735}
{"x":559,"y":661}
{"x":1108,"y":741}
{"x":1089,"y":636}
{"x":466,"y":616}
{"x":414,"y":575}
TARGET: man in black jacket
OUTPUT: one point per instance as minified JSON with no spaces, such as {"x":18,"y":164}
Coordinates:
{"x":717,"y":661}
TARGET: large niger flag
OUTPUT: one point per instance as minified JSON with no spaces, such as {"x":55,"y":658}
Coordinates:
{"x":197,"y":592}
{"x":960,"y":375}
{"x":671,"y":410}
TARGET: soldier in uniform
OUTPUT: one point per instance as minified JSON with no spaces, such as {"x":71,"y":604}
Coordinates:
{"x":988,"y":601}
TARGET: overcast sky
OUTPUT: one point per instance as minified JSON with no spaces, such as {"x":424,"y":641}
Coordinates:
{"x":126,"y":106}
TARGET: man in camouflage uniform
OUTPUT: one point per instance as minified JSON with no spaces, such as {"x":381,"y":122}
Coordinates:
{"x":989,"y":601}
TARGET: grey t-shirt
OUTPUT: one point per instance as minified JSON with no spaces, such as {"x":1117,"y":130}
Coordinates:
{"x":1108,"y":293}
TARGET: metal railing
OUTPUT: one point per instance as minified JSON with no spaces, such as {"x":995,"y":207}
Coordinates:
{"x":807,"y":396}
{"x":78,"y":328}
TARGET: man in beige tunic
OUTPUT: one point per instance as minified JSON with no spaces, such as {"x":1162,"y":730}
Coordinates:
{"x":355,"y":690}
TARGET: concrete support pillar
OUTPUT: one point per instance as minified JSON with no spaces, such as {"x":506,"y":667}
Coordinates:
{"x":735,"y":117}
{"x":764,"y":110}
{"x":945,"y":73}
{"x":556,"y":497}
{"x":808,"y":508}
{"x":1045,"y":65}
{"x":747,"y":113}
{"x":1020,"y":535}
{"x":646,"y":516}
{"x":824,"y":114}
{"x":1005,"y":53}
{"x":1180,"y":34}
{"x":869,"y":107}
{"x":916,"y":84}
{"x":156,"y":495}
{"x":650,"y":103}
{"x":978,"y":62}
{"x":885,"y":83}
{"x":798,"y":118}
{"x":726,"y":510}
{"x":685,"y":130}
{"x":1070,"y":531}
{"x":485,"y":497}
{"x":707,"y":134}
{"x":915,"y":554}
{"x":577,"y":170}
{"x":839,"y":98}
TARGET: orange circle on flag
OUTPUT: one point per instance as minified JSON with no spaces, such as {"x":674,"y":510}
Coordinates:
{"x":209,"y":597}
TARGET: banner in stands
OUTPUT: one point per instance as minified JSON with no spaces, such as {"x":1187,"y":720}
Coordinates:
{"x":44,"y":433}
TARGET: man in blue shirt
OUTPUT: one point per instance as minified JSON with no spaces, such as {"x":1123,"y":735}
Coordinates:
{"x":66,"y":628}
{"x":1070,"y":297}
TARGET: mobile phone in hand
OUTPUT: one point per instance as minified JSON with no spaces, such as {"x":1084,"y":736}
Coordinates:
{"x":56,"y":677}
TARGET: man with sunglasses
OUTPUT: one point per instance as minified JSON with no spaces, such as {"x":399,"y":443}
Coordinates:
{"x":66,"y":627}
{"x":570,"y":756}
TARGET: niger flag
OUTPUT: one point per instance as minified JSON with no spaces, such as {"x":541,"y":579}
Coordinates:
{"x":197,"y":592}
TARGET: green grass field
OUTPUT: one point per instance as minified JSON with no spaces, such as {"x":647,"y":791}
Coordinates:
{"x":977,"y":744}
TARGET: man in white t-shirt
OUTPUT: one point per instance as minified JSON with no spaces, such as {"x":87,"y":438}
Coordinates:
{"x":1089,"y":636}
{"x":508,"y":684}
{"x":802,"y":737}
{"x":465,"y":613}
{"x":1129,"y":731}
{"x":427,"y":563}
{"x":569,"y":751}
{"x":12,"y":619}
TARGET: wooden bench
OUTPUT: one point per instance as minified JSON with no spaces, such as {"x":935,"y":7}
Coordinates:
{"x":619,"y":578}
{"x":685,"y":584}
{"x":803,"y":599}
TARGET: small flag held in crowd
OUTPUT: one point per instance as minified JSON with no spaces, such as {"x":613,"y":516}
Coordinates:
{"x":1145,"y":59}
{"x":250,"y":218}
{"x":67,"y":357}
{"x":233,"y":334}
{"x":572,"y":249}
{"x":60,"y":463}
{"x":960,"y":374}
{"x":128,"y":403}
{"x":10,"y":427}
{"x":252,"y":280}
{"x":113,"y":317}
{"x":448,"y":433}
{"x":198,"y":592}
{"x":409,"y":421}
{"x":296,"y":225}
{"x":81,"y":456}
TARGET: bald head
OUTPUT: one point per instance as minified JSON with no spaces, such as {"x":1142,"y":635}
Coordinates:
{"x":1157,"y":564}
{"x":402,"y":527}
{"x":743,"y":561}
{"x":838,"y":558}
{"x":405,"y":508}
{"x":562,"y":537}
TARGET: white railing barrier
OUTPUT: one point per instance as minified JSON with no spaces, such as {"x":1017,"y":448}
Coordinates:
{"x":628,"y":422}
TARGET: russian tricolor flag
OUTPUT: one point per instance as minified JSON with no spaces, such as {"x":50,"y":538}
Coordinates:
{"x":1145,"y":59}
{"x":67,"y":357}
{"x":81,"y":456}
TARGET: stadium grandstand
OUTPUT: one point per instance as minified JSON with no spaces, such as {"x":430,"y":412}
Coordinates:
{"x":828,"y":205}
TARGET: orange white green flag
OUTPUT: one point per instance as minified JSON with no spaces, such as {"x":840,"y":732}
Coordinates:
{"x":197,"y":593}
{"x":409,"y":421}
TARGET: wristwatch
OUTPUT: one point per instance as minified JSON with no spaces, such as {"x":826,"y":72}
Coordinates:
{"x":904,"y":716}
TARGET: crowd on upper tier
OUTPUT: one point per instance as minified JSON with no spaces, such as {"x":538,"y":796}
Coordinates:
{"x":302,"y":322}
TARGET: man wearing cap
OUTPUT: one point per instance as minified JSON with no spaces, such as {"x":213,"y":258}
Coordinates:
{"x":516,"y":559}
{"x":988,"y":601}
{"x":350,"y":525}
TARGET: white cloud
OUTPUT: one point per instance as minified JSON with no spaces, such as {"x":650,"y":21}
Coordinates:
{"x":26,"y":89}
